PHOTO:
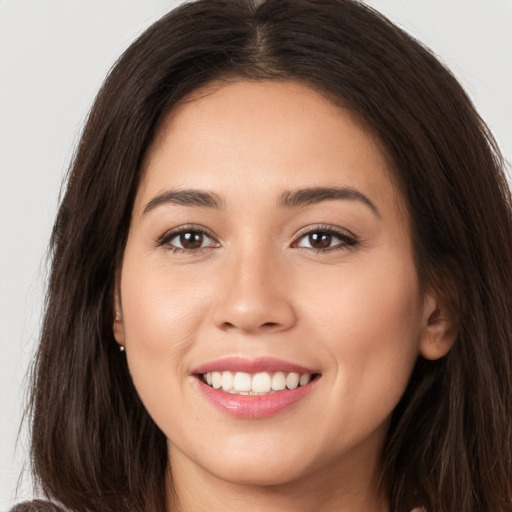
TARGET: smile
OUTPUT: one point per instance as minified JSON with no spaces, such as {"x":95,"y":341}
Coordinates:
{"x":254,"y":388}
{"x":258,"y":384}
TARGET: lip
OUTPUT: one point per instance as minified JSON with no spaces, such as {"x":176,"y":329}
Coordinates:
{"x":260,"y":364}
{"x":255,"y":406}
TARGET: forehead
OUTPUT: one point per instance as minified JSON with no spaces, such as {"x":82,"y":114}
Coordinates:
{"x":264,"y":137}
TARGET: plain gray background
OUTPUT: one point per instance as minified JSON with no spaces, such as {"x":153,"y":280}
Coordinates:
{"x":54,"y":55}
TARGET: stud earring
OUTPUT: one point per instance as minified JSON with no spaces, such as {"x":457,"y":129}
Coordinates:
{"x":121,"y":348}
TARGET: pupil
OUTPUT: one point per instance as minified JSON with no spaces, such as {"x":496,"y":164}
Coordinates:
{"x":191,"y":240}
{"x":320,"y":240}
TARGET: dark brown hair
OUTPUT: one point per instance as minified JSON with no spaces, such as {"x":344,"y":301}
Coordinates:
{"x":94,"y":447}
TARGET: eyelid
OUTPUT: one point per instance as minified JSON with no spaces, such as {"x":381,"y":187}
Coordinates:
{"x":170,"y":234}
{"x":350,"y":240}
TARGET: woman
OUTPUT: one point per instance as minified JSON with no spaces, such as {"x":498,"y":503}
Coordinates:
{"x":281,"y":277}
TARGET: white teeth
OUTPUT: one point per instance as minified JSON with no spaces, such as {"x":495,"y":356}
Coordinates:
{"x":263,"y":383}
{"x":292,"y":380}
{"x":304,"y":379}
{"x":278,"y":381}
{"x":216,"y":380}
{"x":242,"y":382}
{"x":227,"y":381}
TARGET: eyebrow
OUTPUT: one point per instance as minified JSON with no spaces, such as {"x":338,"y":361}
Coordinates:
{"x":308,"y":196}
{"x":187,"y":197}
{"x":289,"y":199}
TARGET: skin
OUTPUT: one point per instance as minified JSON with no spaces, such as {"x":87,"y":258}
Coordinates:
{"x":256,"y":287}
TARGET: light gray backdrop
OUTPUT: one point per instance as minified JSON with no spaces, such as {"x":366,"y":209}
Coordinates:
{"x":54,"y":55}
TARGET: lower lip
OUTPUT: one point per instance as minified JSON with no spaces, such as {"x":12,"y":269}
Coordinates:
{"x":258,"y":406}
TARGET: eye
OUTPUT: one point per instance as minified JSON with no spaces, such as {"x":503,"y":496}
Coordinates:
{"x":187,"y":239}
{"x":324,"y":239}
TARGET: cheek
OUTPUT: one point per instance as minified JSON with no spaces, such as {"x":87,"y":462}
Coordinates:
{"x":160,"y":310}
{"x":375,"y":296}
{"x":371,"y":326}
{"x":161,"y":313}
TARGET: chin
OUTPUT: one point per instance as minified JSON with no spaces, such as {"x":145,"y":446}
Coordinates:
{"x":258,"y":475}
{"x":256,"y":465}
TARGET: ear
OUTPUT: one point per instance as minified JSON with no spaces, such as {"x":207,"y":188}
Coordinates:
{"x":118,"y":326}
{"x":440,"y":328}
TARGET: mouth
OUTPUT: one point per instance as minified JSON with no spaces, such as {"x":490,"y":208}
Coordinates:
{"x":254,"y":388}
{"x":256,"y":384}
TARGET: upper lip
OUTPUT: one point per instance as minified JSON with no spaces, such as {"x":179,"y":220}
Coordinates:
{"x":260,"y":364}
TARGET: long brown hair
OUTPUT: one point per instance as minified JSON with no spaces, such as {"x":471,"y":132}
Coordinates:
{"x":94,"y":447}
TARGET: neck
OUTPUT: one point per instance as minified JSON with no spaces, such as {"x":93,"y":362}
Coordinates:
{"x":353,"y":488}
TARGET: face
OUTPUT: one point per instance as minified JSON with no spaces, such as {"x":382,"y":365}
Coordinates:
{"x":268,"y":298}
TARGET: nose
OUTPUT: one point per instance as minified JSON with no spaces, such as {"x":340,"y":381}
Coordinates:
{"x":255,"y":295}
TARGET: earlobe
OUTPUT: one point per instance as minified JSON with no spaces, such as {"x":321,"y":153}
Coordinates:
{"x":118,"y":325}
{"x":439,"y":330}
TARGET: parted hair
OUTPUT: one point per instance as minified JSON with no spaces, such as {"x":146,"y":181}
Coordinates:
{"x":94,"y":447}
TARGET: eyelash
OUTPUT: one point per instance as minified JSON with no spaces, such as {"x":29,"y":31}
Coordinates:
{"x":348,"y":240}
{"x":166,"y":238}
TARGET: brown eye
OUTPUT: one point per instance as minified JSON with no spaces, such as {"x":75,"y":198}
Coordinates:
{"x":320,"y":240}
{"x":191,"y":240}
{"x":325,"y":240}
{"x":187,"y":239}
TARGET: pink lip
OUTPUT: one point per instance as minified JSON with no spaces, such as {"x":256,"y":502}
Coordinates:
{"x":259,"y":406}
{"x":261,"y":364}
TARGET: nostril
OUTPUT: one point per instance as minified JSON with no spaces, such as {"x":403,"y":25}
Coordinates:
{"x":229,"y":325}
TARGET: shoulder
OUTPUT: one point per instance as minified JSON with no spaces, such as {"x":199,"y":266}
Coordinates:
{"x":36,"y":506}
